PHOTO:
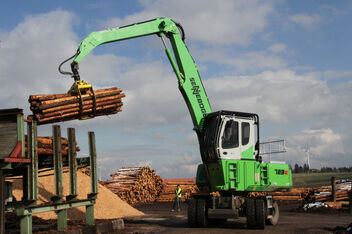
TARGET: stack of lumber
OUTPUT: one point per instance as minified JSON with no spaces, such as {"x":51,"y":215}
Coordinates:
{"x":296,"y":194}
{"x":63,"y":107}
{"x":135,"y":184}
{"x":324,"y":193}
{"x":45,"y":145}
{"x":326,"y":196}
{"x":188,"y":187}
{"x":319,"y":194}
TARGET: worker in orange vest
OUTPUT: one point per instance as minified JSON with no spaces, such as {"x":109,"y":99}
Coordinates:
{"x":177,"y":201}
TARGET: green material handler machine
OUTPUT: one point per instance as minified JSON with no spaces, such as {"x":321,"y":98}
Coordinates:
{"x":228,"y":140}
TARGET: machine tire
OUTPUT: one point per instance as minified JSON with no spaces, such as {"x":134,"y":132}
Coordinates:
{"x":192,"y":213}
{"x":250,"y":212}
{"x":201,"y":213}
{"x":260,"y":214}
{"x":275,"y":215}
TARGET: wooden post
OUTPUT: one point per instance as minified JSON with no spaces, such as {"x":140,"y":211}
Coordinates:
{"x":57,"y":161}
{"x":93,"y":162}
{"x":93,"y":176}
{"x":26,"y":224}
{"x":72,"y":162}
{"x":350,"y":205}
{"x":333,"y":189}
{"x":61,"y":214}
{"x":33,"y":155}
{"x":2,"y":202}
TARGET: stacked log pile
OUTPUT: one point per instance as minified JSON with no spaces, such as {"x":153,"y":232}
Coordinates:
{"x":296,"y":194}
{"x":324,"y":194}
{"x":319,"y":194}
{"x":188,"y":187}
{"x":135,"y":184}
{"x":63,"y":107}
{"x":45,"y":146}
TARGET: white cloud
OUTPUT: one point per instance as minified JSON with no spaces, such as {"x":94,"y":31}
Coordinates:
{"x":279,"y":97}
{"x":278,"y":48}
{"x":307,"y":21}
{"x":252,"y":61}
{"x":325,"y":147}
{"x":188,"y":164}
{"x":213,"y":22}
{"x":331,"y":9}
{"x":31,"y":53}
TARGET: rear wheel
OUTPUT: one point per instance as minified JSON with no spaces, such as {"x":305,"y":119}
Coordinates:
{"x":260,"y":214}
{"x":250,"y":212}
{"x":192,"y":212}
{"x":201,"y":213}
{"x":273,"y":220}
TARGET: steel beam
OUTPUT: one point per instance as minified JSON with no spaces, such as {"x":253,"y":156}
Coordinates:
{"x":53,"y":207}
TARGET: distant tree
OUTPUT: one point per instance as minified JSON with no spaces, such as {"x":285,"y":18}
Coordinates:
{"x":296,"y":170}
{"x":305,"y":168}
{"x":329,"y":169}
{"x":301,"y":170}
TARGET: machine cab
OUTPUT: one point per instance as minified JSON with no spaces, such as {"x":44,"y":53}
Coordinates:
{"x":230,"y":135}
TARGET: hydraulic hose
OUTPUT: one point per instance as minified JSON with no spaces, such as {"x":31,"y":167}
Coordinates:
{"x":66,"y":72}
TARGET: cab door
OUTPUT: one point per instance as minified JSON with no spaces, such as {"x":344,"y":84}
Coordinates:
{"x":229,"y":140}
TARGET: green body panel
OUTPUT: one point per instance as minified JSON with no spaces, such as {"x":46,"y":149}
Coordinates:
{"x":248,"y":153}
{"x":244,"y":176}
{"x":184,"y":67}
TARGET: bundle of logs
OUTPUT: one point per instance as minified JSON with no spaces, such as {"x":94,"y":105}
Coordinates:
{"x":319,"y":194}
{"x":188,"y":187}
{"x":45,"y":146}
{"x":135,"y":184}
{"x":63,"y":107}
{"x":324,"y":194}
{"x":296,"y":194}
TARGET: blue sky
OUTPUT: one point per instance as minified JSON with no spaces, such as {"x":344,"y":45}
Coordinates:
{"x":288,"y":61}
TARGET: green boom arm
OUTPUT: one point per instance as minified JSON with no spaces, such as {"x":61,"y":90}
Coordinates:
{"x":190,"y":83}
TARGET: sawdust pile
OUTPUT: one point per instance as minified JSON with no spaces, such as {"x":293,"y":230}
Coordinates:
{"x":108,"y":205}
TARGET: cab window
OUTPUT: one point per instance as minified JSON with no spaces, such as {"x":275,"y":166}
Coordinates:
{"x":230,"y":137}
{"x":245,"y":133}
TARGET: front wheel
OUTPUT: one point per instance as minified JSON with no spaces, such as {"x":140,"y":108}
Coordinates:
{"x":202,"y":217}
{"x":192,"y":212}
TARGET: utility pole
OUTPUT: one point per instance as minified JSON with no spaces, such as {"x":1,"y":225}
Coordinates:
{"x":308,"y":154}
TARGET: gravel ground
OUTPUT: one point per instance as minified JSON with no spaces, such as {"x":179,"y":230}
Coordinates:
{"x":159,"y":219}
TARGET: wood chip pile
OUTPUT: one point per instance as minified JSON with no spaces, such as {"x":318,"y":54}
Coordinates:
{"x":45,"y":146}
{"x":63,"y":107}
{"x":135,"y":184}
{"x":188,"y":187}
{"x":107,"y":206}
